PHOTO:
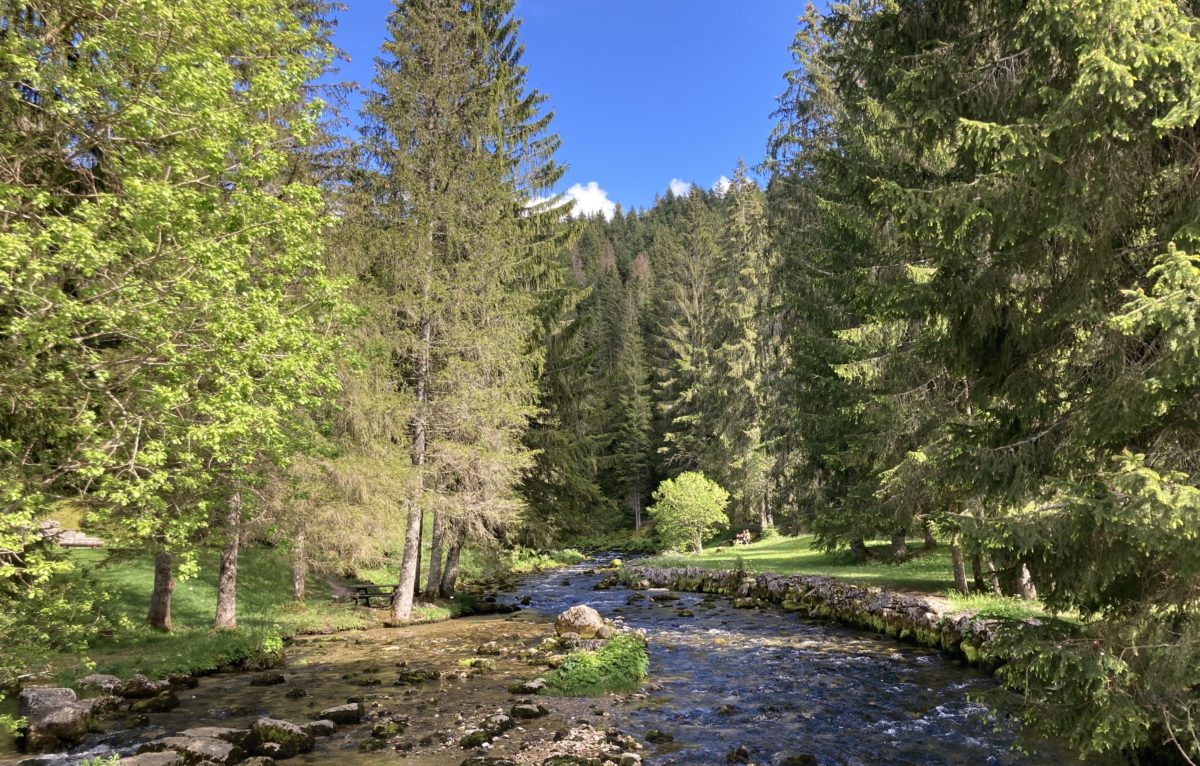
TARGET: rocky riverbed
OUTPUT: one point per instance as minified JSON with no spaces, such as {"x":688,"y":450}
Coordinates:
{"x":727,"y":685}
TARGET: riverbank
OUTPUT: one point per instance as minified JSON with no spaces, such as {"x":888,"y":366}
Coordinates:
{"x":925,"y":571}
{"x":923,"y":620}
{"x":267,"y":614}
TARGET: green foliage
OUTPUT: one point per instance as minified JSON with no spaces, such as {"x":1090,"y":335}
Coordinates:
{"x":688,"y":508}
{"x":616,"y":667}
{"x":987,"y":208}
{"x":524,"y":560}
{"x":626,"y":542}
{"x":449,"y":237}
{"x":164,"y":314}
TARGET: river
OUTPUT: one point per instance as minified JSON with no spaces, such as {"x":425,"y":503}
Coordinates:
{"x":766,"y":681}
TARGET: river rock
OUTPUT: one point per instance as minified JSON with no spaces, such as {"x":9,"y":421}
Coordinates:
{"x":197,"y":750}
{"x":489,"y":728}
{"x":344,"y":714}
{"x":290,"y":738}
{"x":527,"y":711}
{"x":656,"y":737}
{"x":738,"y":755}
{"x":165,"y":758}
{"x":55,"y":718}
{"x":611,"y":581}
{"x":244,"y":738}
{"x":159,"y":703}
{"x":258,"y":760}
{"x":536,"y":686}
{"x":630,"y":759}
{"x":487,"y":760}
{"x":321,"y":728}
{"x":141,"y":687}
{"x":581,"y":620}
{"x":183,"y":681}
{"x":571,"y":760}
{"x":105,"y":683}
{"x":270,"y":678}
{"x":804,"y":759}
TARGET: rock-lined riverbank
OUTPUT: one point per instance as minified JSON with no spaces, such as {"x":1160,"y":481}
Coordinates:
{"x":903,"y":616}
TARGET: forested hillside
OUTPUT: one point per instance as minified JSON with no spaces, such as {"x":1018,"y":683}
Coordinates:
{"x":954,"y":301}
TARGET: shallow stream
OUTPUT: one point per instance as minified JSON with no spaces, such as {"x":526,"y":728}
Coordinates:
{"x":767,"y":681}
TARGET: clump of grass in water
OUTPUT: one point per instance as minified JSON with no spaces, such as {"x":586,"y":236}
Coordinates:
{"x":615,"y":667}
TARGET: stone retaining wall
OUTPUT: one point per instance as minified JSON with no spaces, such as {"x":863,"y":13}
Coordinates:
{"x":899,"y":615}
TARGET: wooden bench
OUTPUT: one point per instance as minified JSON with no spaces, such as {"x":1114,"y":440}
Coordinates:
{"x":364,"y":592}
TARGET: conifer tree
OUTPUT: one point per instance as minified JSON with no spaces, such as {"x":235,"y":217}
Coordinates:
{"x":457,"y":148}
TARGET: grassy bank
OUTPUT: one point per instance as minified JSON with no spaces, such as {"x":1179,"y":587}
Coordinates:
{"x":267,"y":615}
{"x":925,"y":572}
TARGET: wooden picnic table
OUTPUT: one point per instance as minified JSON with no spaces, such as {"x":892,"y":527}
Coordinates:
{"x":364,"y":592}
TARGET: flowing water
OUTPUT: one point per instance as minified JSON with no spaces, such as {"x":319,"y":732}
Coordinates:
{"x":768,"y":681}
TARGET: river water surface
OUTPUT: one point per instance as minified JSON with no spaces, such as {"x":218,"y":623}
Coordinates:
{"x":767,"y":681}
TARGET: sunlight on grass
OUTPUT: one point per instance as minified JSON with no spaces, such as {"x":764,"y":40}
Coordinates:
{"x":928,"y":572}
{"x":925,"y":571}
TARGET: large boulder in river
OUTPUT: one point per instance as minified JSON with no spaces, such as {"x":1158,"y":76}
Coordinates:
{"x":194,"y":751}
{"x":105,"y":683}
{"x":288,"y":738}
{"x":343,"y":714}
{"x":55,"y":718}
{"x":581,"y":620}
{"x":141,"y":687}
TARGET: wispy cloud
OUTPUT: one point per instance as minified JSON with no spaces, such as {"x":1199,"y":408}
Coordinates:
{"x":679,"y":187}
{"x":721,"y":185}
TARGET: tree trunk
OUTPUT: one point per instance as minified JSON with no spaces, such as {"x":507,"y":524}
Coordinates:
{"x":930,"y":540}
{"x":977,"y":572}
{"x":993,"y":578}
{"x":765,"y":521}
{"x":699,"y":543}
{"x":160,"y":597}
{"x":299,"y":567}
{"x":226,"y":618}
{"x":420,"y":552}
{"x":434,"y":582}
{"x":450,"y":570}
{"x":858,"y":551}
{"x":406,"y":587}
{"x":1025,"y":587}
{"x":635,"y":500}
{"x":960,"y":571}
{"x":899,"y":547}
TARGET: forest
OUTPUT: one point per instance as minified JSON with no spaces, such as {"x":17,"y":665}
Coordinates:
{"x":954,"y":301}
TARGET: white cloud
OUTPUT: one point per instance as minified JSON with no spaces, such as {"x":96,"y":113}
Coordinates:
{"x":589,"y":199}
{"x":679,"y":188}
{"x":721,"y":186}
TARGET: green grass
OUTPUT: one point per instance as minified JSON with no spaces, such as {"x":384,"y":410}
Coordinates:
{"x":926,"y":572}
{"x":266,"y":613}
{"x":615,"y":667}
{"x":525,"y":561}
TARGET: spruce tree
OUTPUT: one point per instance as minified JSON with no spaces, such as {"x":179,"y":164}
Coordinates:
{"x":457,"y":147}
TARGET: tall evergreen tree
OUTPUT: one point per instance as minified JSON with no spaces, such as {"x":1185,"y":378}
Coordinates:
{"x":457,"y":148}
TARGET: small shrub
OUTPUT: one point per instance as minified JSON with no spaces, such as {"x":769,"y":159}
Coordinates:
{"x":615,"y":667}
{"x":769,"y":533}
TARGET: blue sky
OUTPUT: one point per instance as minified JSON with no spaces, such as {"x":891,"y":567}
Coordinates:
{"x":645,"y":92}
